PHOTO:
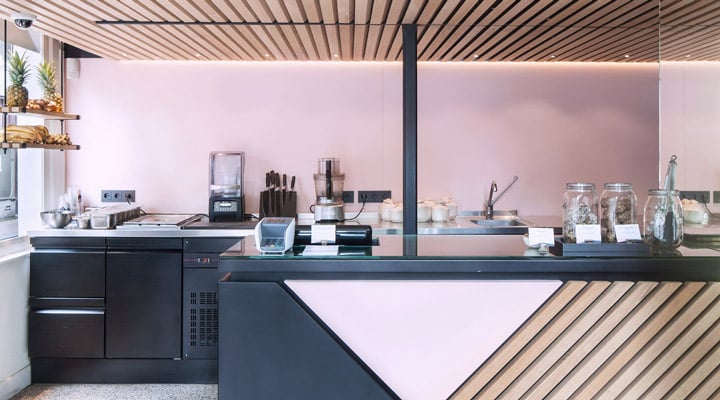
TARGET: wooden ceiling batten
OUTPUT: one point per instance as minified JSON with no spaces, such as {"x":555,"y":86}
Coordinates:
{"x":363,"y":9}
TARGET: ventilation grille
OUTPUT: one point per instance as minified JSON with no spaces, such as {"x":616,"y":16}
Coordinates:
{"x":203,"y":319}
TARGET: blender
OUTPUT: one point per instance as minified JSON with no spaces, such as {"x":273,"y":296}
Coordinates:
{"x":227,"y":203}
{"x":329,"y":191}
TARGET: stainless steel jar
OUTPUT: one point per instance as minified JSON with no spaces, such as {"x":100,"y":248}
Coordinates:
{"x":580,"y":207}
{"x":663,"y":220}
{"x":618,"y":205}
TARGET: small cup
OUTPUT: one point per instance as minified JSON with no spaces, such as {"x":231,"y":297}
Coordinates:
{"x":424,"y":212}
{"x":396,"y":214}
{"x":386,"y":209}
{"x":440,"y":213}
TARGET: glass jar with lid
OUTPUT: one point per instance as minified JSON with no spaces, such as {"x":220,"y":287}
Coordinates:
{"x":618,"y":204}
{"x":580,"y":207}
{"x":663,"y":220}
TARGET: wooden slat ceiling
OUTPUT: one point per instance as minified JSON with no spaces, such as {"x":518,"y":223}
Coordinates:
{"x":370,"y":30}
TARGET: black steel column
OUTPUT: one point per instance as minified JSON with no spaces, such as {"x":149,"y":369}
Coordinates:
{"x":409,"y":129}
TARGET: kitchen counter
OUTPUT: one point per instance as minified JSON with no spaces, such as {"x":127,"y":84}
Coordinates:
{"x":466,"y":316}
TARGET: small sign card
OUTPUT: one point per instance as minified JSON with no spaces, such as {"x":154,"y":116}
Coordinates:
{"x":629,"y":232}
{"x":315,"y":250}
{"x":587,"y":233}
{"x":322,"y":233}
{"x":538,"y":236}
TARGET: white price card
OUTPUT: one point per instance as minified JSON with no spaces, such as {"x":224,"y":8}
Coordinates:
{"x":538,"y":236}
{"x":314,"y":250}
{"x":587,"y":233}
{"x":322,"y":233}
{"x":627,"y":232}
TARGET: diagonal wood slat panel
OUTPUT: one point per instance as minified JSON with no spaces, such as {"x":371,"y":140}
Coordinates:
{"x":621,"y":340}
{"x":327,"y":30}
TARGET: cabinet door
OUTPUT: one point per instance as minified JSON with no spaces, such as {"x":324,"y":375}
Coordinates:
{"x":143,"y":301}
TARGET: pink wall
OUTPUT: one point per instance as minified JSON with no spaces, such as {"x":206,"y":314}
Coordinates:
{"x":150,"y":126}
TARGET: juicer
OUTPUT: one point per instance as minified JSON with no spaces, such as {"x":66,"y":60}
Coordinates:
{"x":329,"y":191}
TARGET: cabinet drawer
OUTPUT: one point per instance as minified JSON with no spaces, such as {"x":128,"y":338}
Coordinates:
{"x":70,"y":333}
{"x":67,"y":273}
{"x":208,"y":245}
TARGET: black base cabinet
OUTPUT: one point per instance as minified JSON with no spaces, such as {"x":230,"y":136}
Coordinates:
{"x":124,"y":310}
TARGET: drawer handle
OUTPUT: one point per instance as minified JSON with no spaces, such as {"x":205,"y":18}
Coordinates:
{"x":57,"y":311}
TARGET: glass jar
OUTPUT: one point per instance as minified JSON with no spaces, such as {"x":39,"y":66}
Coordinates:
{"x":618,"y":204}
{"x":580,"y":207}
{"x":663,"y":220}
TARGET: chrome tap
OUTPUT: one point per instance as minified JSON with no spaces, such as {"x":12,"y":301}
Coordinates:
{"x":490,"y":202}
{"x":489,"y":213}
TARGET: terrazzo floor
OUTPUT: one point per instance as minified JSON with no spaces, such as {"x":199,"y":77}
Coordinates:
{"x":41,"y":391}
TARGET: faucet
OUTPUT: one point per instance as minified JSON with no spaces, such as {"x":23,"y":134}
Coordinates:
{"x":490,"y":202}
{"x":489,"y":212}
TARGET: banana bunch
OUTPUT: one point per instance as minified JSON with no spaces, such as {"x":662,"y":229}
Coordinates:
{"x":26,"y":133}
{"x":60,"y":138}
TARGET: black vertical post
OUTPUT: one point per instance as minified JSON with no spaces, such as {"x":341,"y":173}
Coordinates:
{"x":409,"y":129}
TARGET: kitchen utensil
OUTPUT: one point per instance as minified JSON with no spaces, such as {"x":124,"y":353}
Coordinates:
{"x":57,"y":219}
{"x":227,"y":200}
{"x":670,"y":226}
{"x":328,"y":191}
{"x":276,"y":200}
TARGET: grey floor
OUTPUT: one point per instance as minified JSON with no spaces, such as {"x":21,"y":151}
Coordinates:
{"x":41,"y":391}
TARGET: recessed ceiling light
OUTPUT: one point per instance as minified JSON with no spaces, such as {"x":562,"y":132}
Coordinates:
{"x":627,"y":55}
{"x":197,"y":54}
{"x":335,"y":55}
{"x":552,"y":55}
{"x":687,"y":56}
{"x":476,"y":56}
{"x":267,"y":55}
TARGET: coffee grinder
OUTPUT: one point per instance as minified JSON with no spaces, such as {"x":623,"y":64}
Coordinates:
{"x":329,"y":191}
{"x":227,"y":203}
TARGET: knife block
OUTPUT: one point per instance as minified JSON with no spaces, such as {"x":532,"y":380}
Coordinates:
{"x":278,"y":204}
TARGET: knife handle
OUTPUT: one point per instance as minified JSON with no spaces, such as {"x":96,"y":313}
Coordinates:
{"x":284,"y":181}
{"x":292,"y":183}
{"x":267,"y":180}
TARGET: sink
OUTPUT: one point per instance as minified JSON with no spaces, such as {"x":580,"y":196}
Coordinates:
{"x":499,"y":222}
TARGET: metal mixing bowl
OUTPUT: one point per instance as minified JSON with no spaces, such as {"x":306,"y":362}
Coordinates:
{"x":56,"y":218}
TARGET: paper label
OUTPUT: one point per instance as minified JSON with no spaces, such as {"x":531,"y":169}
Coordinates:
{"x":627,"y":232}
{"x":320,"y":233}
{"x":587,"y":233}
{"x":314,"y":250}
{"x":538,"y":236}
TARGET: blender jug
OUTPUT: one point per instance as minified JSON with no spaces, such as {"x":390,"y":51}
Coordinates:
{"x":227,"y":202}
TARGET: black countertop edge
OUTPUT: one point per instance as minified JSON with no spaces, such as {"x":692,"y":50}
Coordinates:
{"x":551,"y":268}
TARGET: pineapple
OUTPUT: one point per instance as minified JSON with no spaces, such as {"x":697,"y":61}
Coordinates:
{"x":19,"y":71}
{"x":46,"y":77}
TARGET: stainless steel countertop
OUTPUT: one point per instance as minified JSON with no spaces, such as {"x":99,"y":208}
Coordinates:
{"x":462,"y":225}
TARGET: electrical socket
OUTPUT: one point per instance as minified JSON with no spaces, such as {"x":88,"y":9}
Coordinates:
{"x":716,"y":197}
{"x":117,"y":196}
{"x":373,"y":196}
{"x":348,"y":196}
{"x":702,"y":196}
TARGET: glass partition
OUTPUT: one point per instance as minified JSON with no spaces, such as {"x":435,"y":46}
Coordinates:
{"x":690,"y":93}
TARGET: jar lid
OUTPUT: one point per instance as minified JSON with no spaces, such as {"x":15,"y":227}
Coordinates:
{"x":580,"y":186}
{"x":663,"y":192}
{"x":618,"y":186}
